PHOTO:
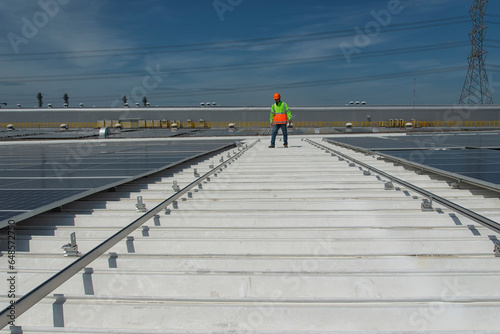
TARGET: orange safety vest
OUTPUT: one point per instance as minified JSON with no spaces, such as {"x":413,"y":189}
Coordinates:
{"x":280,"y":113}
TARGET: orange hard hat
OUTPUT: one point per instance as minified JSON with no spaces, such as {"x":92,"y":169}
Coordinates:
{"x":277,"y":96}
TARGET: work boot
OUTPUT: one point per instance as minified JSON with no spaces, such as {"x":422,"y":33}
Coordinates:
{"x":285,"y":146}
{"x":272,"y":146}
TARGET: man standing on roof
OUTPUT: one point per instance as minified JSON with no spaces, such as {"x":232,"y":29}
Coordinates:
{"x":280,"y":116}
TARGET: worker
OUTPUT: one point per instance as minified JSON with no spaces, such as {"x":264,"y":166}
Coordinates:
{"x":280,"y":116}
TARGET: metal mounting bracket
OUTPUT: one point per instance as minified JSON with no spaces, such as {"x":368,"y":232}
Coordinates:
{"x":456,"y":185}
{"x":175,"y":186}
{"x":140,"y":206}
{"x":496,"y":250}
{"x":426,"y":205}
{"x":71,"y":249}
{"x":389,"y":186}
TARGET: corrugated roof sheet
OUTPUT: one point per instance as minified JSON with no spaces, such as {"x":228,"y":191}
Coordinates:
{"x":282,"y":240}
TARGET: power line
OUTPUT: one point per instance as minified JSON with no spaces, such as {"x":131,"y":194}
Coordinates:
{"x":244,"y":43}
{"x":295,"y":85}
{"x":327,"y":82}
{"x":232,"y":67}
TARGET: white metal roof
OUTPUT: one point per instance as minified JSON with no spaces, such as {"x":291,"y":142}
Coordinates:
{"x":282,"y":240}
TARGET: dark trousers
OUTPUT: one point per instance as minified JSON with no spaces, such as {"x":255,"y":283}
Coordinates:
{"x":276,"y":127}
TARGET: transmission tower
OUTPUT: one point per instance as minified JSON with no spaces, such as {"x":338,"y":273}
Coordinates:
{"x":476,"y":88}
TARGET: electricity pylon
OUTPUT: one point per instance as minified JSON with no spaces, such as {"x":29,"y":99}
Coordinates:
{"x":476,"y":88}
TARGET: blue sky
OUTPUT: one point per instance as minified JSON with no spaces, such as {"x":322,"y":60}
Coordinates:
{"x":240,"y":52}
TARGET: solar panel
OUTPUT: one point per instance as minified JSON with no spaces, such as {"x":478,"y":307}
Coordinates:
{"x":477,"y":140}
{"x":25,"y":200}
{"x":30,"y":134}
{"x":480,"y":164}
{"x":55,"y":183}
{"x":36,"y":177}
{"x":151,"y":133}
{"x":423,"y":141}
{"x":471,"y":155}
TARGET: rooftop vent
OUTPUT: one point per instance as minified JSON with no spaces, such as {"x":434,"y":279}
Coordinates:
{"x":104,"y":133}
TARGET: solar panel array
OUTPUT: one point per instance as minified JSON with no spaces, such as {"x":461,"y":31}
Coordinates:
{"x":473,"y":155}
{"x":44,"y":134}
{"x":36,"y":177}
{"x":424,"y":142}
